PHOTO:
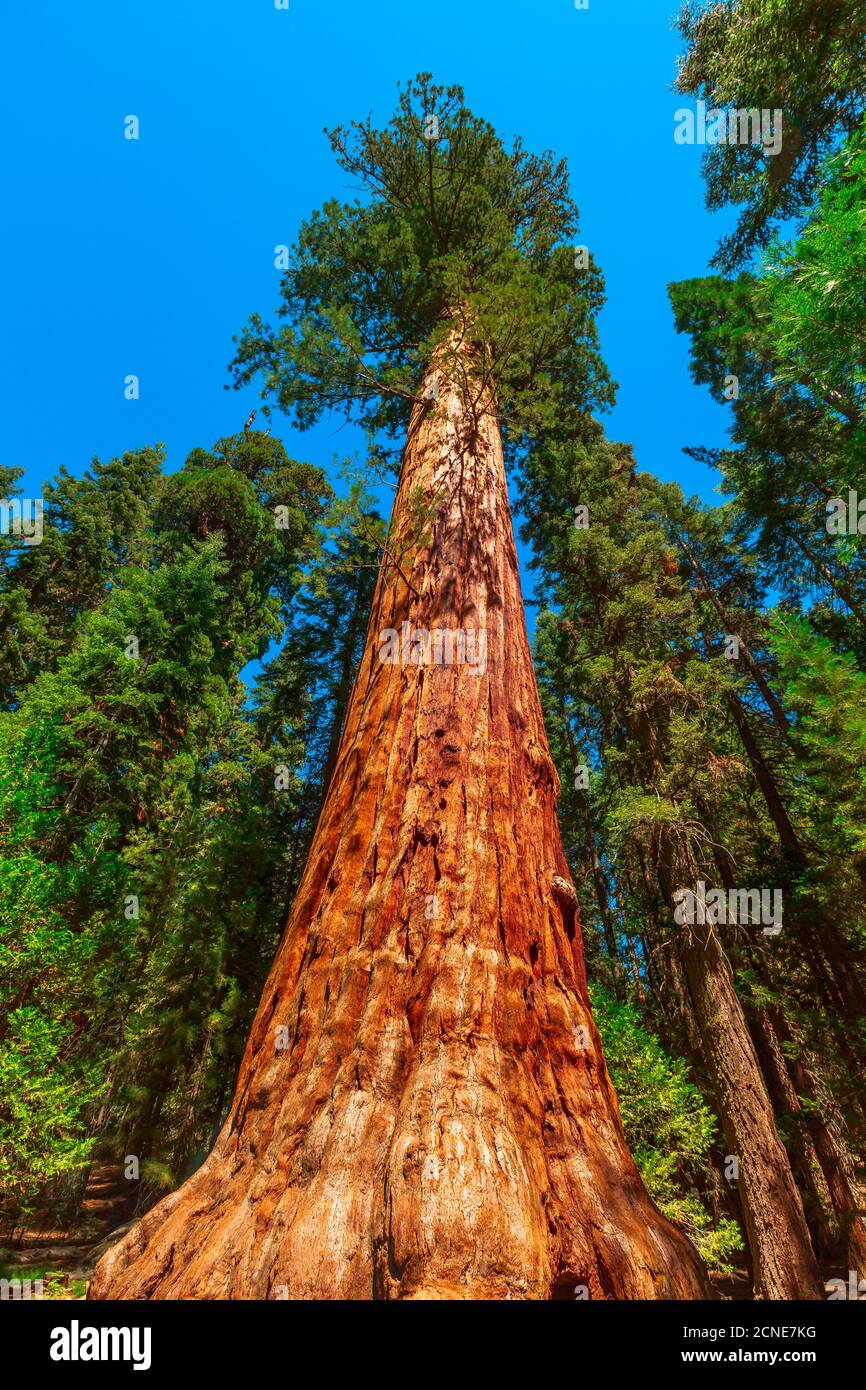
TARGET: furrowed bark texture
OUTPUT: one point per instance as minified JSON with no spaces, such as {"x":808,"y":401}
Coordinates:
{"x":782,"y":1255}
{"x":783,"y":1260}
{"x":442,"y":1124}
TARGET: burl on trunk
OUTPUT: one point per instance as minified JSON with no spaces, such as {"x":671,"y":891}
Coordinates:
{"x":440,"y":1123}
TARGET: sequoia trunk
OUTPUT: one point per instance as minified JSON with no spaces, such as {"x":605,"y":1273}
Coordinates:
{"x":782,"y":1256}
{"x":440,"y":1123}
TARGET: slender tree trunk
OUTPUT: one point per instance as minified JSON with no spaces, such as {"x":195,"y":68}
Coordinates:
{"x":775,"y":1068}
{"x":636,"y":973}
{"x":834,"y":947}
{"x":837,"y":1162}
{"x":442,"y":1124}
{"x":784,"y":1262}
{"x":818,"y":1146}
{"x":602,"y":897}
{"x":601,"y":894}
{"x":809,"y":1176}
{"x":672,"y":989}
{"x":838,"y":586}
{"x":782,"y":1256}
{"x":780,"y":718}
{"x":844,"y":975}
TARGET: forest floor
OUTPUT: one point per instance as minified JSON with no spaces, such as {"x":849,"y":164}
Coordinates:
{"x":736,"y":1286}
{"x":65,"y":1260}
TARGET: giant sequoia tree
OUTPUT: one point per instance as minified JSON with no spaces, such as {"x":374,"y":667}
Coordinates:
{"x":423,"y":1109}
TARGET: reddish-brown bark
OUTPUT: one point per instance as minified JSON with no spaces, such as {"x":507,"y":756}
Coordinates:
{"x":442,"y":1124}
{"x":783,"y":1260}
{"x":782,"y":1256}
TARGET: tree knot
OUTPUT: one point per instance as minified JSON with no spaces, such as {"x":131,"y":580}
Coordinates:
{"x":565,"y":892}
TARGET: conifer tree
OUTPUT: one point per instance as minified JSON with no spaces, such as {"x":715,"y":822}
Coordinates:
{"x":423,"y":1110}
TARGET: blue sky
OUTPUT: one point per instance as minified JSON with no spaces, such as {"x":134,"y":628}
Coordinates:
{"x":145,"y":257}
